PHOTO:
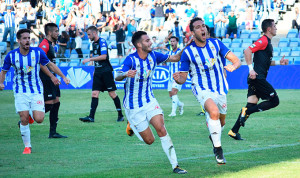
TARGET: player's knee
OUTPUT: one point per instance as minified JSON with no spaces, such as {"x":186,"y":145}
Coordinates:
{"x":112,"y":94}
{"x":95,"y":94}
{"x":39,"y":119}
{"x":149,"y":140}
{"x":214,"y":114}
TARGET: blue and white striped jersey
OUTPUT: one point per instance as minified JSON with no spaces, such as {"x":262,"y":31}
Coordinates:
{"x":138,"y":90}
{"x":205,"y":65}
{"x":26,"y":75}
{"x":173,"y":66}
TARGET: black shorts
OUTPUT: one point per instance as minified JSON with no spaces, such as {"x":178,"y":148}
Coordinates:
{"x":231,"y":30}
{"x":121,"y":49}
{"x":104,"y":82}
{"x":261,"y":88}
{"x":51,"y":91}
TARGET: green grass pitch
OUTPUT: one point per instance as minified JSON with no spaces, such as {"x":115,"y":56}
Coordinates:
{"x":103,"y":149}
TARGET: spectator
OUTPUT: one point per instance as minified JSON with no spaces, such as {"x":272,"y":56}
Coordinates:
{"x":105,"y":6}
{"x":58,"y":17}
{"x":220,"y":22}
{"x":111,"y":22}
{"x":31,"y":18}
{"x":87,"y":7}
{"x":159,"y":14}
{"x":78,"y":41}
{"x":63,"y":39}
{"x":145,"y":24}
{"x":296,"y":20}
{"x":138,"y":11}
{"x":267,"y":3}
{"x":91,"y":21}
{"x":62,"y":26}
{"x":101,"y":22}
{"x":72,"y":34}
{"x":9,"y":26}
{"x":119,"y":29}
{"x":169,"y":10}
{"x":40,"y":13}
{"x":33,"y":42}
{"x":209,"y":20}
{"x":176,"y":31}
{"x":80,"y":20}
{"x":232,"y":27}
{"x":249,"y":18}
{"x":190,"y":12}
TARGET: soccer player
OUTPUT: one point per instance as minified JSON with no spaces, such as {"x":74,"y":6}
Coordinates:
{"x":28,"y":88}
{"x":173,"y":87}
{"x":51,"y":91}
{"x":258,"y":86}
{"x":141,"y":107}
{"x":203,"y":60}
{"x":103,"y":79}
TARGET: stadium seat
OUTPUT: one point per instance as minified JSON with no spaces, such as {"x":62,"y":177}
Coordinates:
{"x":67,"y":53}
{"x":285,"y":51}
{"x":283,"y":42}
{"x":254,"y":35}
{"x":296,"y":60}
{"x":226,"y":42}
{"x":236,"y":43}
{"x":74,"y":54}
{"x":74,"y":63}
{"x":246,"y":43}
{"x":85,"y":44}
{"x":245,"y":34}
{"x":64,"y":64}
{"x":294,"y":42}
{"x":3,"y":47}
{"x":112,"y":45}
{"x":112,"y":37}
{"x":276,"y":51}
{"x":276,"y":58}
{"x":113,"y":53}
{"x":22,"y":26}
{"x":239,"y":52}
{"x":86,"y":53}
{"x":114,"y":61}
{"x":291,"y":59}
{"x":293,"y":33}
{"x":295,"y":53}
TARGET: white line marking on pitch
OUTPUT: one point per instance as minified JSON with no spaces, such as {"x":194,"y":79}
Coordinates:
{"x":242,"y":151}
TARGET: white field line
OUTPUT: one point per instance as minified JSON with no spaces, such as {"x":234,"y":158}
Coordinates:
{"x":242,"y":151}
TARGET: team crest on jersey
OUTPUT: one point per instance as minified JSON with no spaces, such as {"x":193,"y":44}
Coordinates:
{"x":212,"y":48}
{"x":44,"y":46}
{"x":210,"y":62}
{"x":27,"y":69}
{"x":260,"y":41}
{"x":146,"y":73}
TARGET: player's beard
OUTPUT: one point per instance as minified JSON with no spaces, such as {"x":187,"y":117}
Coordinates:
{"x":25,"y":46}
{"x":146,"y":49}
{"x":174,"y":47}
{"x":199,"y":38}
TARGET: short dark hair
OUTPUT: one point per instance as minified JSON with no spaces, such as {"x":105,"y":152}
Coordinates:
{"x":49,"y":27}
{"x":265,"y":24}
{"x":137,"y":36}
{"x":92,"y":28}
{"x":192,"y":22}
{"x":20,"y":32}
{"x":177,"y":39}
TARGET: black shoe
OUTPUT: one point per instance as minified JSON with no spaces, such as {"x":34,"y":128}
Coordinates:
{"x":214,"y":149}
{"x":120,"y":119}
{"x":219,"y":155}
{"x":243,"y":116}
{"x":201,"y":114}
{"x":87,"y":119}
{"x":179,"y":170}
{"x":236,"y":136}
{"x":57,"y":135}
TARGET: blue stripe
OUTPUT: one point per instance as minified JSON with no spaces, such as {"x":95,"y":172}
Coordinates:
{"x":37,"y":57}
{"x":131,"y":86}
{"x":22,"y":72}
{"x":141,"y":82}
{"x":211,"y":55}
{"x":205,"y":68}
{"x":197,"y":68}
{"x":221,"y":69}
{"x":30,"y":73}
{"x":16,"y":71}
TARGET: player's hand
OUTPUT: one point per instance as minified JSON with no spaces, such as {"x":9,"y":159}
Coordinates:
{"x":67,"y":81}
{"x":189,"y":42}
{"x":230,"y":68}
{"x":177,"y":77}
{"x":86,"y":60}
{"x":252,"y":74}
{"x":131,"y":73}
{"x":55,"y":80}
{"x":284,"y":61}
{"x":1,"y":86}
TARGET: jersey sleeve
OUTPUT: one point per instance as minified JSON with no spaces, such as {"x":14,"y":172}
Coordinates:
{"x":223,"y":49}
{"x":44,"y":46}
{"x":43,"y":58}
{"x":160,"y":57}
{"x":127,"y":64}
{"x":7,"y":63}
{"x":185,"y":62}
{"x":103,"y":46}
{"x":260,"y":44}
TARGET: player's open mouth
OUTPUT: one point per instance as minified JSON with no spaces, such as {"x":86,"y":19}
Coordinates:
{"x":203,"y":34}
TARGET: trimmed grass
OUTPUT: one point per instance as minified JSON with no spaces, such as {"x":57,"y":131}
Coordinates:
{"x":103,"y":149}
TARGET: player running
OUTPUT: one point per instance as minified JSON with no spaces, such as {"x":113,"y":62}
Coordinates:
{"x":258,"y":86}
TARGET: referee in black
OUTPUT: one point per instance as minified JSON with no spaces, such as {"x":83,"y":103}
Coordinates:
{"x":103,"y":79}
{"x":51,"y":91}
{"x":258,"y":86}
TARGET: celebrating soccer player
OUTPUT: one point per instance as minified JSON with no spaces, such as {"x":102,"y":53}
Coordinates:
{"x":141,"y":107}
{"x":103,"y":79}
{"x":28,"y":88}
{"x":203,"y":59}
{"x":174,"y":87}
{"x":258,"y":86}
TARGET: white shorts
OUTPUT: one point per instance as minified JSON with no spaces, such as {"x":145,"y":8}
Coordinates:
{"x":173,"y":84}
{"x":29,"y":101}
{"x":140,"y":118}
{"x":203,"y":95}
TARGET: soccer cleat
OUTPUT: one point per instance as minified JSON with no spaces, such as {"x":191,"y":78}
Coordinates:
{"x":87,"y":119}
{"x":201,"y":114}
{"x":129,"y":131}
{"x":236,"y":136}
{"x":181,"y":109}
{"x":57,"y":135}
{"x":30,"y":121}
{"x":120,"y":119}
{"x":172,"y":115}
{"x":27,"y":150}
{"x":179,"y":170}
{"x":243,"y":117}
{"x":219,"y":155}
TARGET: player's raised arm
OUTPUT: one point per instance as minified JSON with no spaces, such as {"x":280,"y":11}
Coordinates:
{"x":56,"y":70}
{"x":236,"y":63}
